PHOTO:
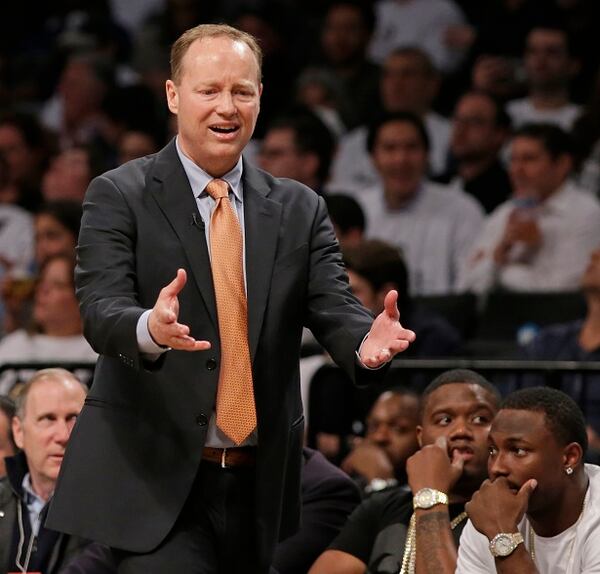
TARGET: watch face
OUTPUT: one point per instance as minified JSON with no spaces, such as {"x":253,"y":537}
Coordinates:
{"x":425,"y":498}
{"x":503,"y":545}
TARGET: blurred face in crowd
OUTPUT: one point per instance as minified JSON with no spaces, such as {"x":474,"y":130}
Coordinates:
{"x":52,"y":238}
{"x":391,"y":425}
{"x":475,"y":134}
{"x":21,"y":160}
{"x":462,"y":413}
{"x":406,"y":84}
{"x":216,"y":100}
{"x":345,"y":36}
{"x":81,"y":91}
{"x":400,"y":157}
{"x":6,"y":445}
{"x":135,"y":144}
{"x":43,"y":429}
{"x":522,"y":446}
{"x":68,"y":176}
{"x":533,"y":171}
{"x":56,"y":309}
{"x":279,"y":154}
{"x":547,"y":61}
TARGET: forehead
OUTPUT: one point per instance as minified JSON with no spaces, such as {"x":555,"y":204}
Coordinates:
{"x":52,"y":394}
{"x":390,"y":406}
{"x":458,"y":396}
{"x":526,"y":144}
{"x":398,"y":130}
{"x":220,"y":54}
{"x":515,"y":424}
{"x":546,"y":38}
{"x":476,"y":103}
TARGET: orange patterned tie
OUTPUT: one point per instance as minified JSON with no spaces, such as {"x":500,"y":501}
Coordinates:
{"x":236,"y":412}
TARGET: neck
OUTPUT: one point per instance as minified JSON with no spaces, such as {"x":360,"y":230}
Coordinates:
{"x":43,"y":488}
{"x":469,"y":169}
{"x":562,"y":513}
{"x":396,"y":201}
{"x":589,"y":336}
{"x":549,"y":99}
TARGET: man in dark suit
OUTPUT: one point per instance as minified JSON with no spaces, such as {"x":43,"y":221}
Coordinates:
{"x":150,"y":470}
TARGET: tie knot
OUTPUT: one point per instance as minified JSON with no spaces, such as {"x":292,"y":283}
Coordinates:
{"x":217,"y":188}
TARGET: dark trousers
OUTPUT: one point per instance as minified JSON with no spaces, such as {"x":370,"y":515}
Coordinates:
{"x":215,"y":532}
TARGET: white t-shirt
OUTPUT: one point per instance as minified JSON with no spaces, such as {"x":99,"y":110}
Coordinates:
{"x":574,"y":551}
{"x":523,"y":112}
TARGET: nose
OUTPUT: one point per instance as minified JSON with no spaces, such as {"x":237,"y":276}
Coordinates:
{"x":225,"y":105}
{"x":380,"y":435}
{"x":461,"y":429}
{"x":62,"y":432}
{"x":497,"y":466}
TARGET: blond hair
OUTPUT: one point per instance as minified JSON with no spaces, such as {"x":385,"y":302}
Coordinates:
{"x":203,"y":31}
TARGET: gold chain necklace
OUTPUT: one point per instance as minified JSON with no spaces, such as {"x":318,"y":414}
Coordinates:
{"x":531,"y":537}
{"x":410,"y":547}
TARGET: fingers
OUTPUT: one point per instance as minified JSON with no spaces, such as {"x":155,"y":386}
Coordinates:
{"x":526,"y":490}
{"x":189,"y":344}
{"x":173,"y":288}
{"x":442,"y":442}
{"x":390,"y":305}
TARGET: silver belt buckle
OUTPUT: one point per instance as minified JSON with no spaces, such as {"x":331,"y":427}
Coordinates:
{"x":223,"y":456}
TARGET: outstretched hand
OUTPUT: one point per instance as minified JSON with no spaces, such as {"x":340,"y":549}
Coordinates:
{"x":387,"y":336}
{"x":162,"y":321}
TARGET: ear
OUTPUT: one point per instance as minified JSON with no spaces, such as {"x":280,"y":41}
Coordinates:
{"x":419,"y":430}
{"x":172,"y":96}
{"x":17,"y":429}
{"x":572,"y":455}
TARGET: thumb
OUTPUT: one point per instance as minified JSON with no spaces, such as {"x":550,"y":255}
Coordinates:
{"x":175,"y":286}
{"x":390,"y":305}
{"x":526,"y":490}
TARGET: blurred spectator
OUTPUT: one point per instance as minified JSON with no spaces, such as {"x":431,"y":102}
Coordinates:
{"x":422,"y":23}
{"x":348,"y":219}
{"x":375,"y":267}
{"x":47,"y":408}
{"x":300,"y":147}
{"x":549,"y":69}
{"x":26,"y":147}
{"x":409,"y":83}
{"x":16,"y":240}
{"x":7,"y":440}
{"x":576,"y":341}
{"x":480,"y":128}
{"x":379,"y":461}
{"x":74,"y":110}
{"x":134,"y":144}
{"x":345,"y":35}
{"x":433,"y":224}
{"x":70,"y":173}
{"x":540,"y":240}
{"x":57,"y":334}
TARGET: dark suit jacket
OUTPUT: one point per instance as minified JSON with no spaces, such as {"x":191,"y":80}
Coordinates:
{"x":135,"y":450}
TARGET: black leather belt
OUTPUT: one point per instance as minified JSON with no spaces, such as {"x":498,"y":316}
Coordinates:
{"x":230,"y":457}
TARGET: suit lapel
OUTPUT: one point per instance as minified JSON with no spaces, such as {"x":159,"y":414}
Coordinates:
{"x":262,"y":217}
{"x":171,"y":189}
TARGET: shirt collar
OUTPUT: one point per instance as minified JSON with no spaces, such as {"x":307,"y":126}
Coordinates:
{"x":559,"y":200}
{"x":199,"y":179}
{"x":29,"y":495}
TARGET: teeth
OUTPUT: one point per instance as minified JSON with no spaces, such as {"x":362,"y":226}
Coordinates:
{"x":223,"y":130}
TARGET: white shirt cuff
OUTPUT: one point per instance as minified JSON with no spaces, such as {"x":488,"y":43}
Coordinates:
{"x":359,"y":360}
{"x":146,"y":344}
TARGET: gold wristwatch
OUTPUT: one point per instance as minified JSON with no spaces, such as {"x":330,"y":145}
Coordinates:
{"x":428,"y":497}
{"x":505,"y":543}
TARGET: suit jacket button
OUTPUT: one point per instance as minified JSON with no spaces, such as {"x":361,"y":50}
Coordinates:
{"x":211,"y":364}
{"x":201,"y":420}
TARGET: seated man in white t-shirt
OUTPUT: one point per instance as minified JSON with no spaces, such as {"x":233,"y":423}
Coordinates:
{"x":540,"y":510}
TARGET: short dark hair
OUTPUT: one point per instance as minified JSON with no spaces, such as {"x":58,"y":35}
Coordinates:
{"x":563,"y":416}
{"x":404,"y":117}
{"x":345,"y":212}
{"x":364,"y":7}
{"x":556,"y":141}
{"x":380,"y":263}
{"x":311,"y":135}
{"x":8,"y":407}
{"x":466,"y":376}
{"x":66,"y":211}
{"x":424,"y":59}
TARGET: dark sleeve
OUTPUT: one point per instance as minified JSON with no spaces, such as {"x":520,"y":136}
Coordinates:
{"x":328,"y":497}
{"x":358,"y":535}
{"x":93,"y":559}
{"x":105,"y":275}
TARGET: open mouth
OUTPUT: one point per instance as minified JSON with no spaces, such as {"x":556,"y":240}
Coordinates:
{"x":224,"y":129}
{"x":464,"y":452}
